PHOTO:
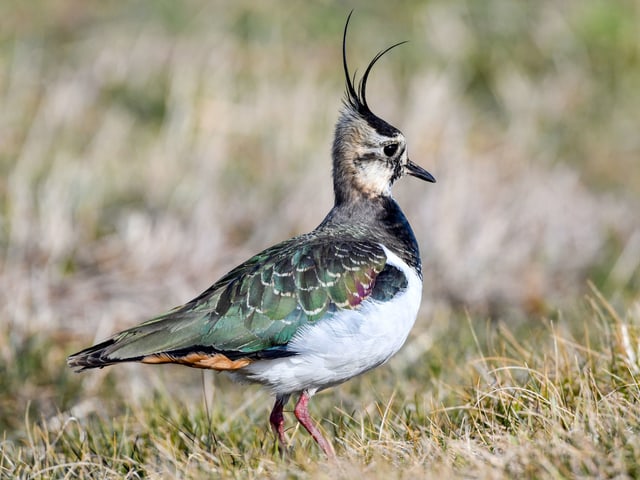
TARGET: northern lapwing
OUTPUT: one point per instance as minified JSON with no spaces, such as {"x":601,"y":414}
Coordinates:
{"x":317,"y":309}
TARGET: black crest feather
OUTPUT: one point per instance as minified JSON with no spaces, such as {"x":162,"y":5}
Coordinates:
{"x":357,"y":99}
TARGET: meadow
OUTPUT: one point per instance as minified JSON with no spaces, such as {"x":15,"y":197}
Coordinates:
{"x":146,"y":148}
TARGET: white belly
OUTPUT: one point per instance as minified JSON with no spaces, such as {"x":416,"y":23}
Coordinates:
{"x":344,"y":345}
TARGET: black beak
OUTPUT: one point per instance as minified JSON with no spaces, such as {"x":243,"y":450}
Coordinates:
{"x":419,"y":172}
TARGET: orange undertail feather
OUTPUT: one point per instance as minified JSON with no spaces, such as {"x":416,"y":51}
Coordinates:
{"x":217,"y":361}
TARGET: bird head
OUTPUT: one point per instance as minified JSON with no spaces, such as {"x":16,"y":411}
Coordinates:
{"x":369,"y":154}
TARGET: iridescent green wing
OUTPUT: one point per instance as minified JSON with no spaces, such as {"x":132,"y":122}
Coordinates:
{"x":255,"y":310}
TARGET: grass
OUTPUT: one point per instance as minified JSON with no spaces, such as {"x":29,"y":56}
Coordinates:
{"x":553,"y":405}
{"x":138,"y":144}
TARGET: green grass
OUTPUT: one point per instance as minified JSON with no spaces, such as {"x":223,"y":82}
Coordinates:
{"x":146,"y":150}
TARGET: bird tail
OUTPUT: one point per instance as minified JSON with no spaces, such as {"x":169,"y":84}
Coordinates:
{"x":154,"y":337}
{"x":96,"y":356}
{"x":161,"y":340}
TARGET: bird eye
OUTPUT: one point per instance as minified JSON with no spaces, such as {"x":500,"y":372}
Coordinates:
{"x":390,"y":149}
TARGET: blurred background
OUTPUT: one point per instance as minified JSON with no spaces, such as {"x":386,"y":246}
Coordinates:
{"x":148,"y":147}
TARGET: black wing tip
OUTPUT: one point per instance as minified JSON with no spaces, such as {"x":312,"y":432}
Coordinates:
{"x":92,"y":357}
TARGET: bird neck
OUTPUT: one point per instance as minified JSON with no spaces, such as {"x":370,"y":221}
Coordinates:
{"x":377,"y":219}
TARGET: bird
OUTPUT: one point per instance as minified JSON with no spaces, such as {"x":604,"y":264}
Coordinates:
{"x":313,"y":311}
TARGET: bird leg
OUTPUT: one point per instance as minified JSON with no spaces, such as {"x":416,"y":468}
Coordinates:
{"x":277,"y":421}
{"x":302,"y":414}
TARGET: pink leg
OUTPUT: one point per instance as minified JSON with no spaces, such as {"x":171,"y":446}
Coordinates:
{"x":302,"y":414}
{"x":277,"y":421}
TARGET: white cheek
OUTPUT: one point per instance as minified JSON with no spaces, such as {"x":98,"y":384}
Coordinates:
{"x":375,"y":178}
